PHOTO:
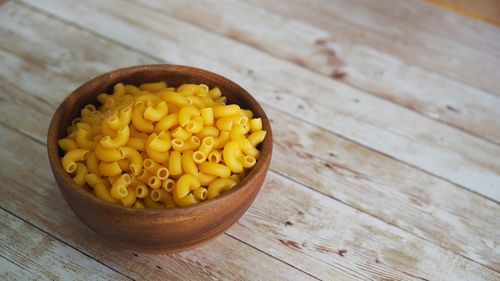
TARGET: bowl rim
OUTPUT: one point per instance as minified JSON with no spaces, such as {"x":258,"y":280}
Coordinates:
{"x":183,"y":213}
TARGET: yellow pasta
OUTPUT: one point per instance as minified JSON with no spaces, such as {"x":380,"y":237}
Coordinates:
{"x":109,"y":169}
{"x":207,"y":115}
{"x":229,"y":155}
{"x":67,"y":144}
{"x":156,"y":169}
{"x":186,"y":113}
{"x":122,"y":119}
{"x":174,"y":98}
{"x":93,"y":164}
{"x":181,"y":133}
{"x":119,"y":140}
{"x":218,"y":186}
{"x":188,"y":165}
{"x":215,"y":169}
{"x":158,"y":156}
{"x":102,"y":192}
{"x":139,"y":205}
{"x":83,"y":137}
{"x":159,"y":195}
{"x":119,"y":186}
{"x":134,"y":157}
{"x":168,"y":185}
{"x":196,"y":102}
{"x":256,"y":137}
{"x":204,"y":149}
{"x":80,"y":173}
{"x":167,"y":122}
{"x":255,"y":124}
{"x":152,"y":204}
{"x":138,"y":144}
{"x":214,"y":93}
{"x":185,"y":184}
{"x":195,"y":124}
{"x":200,"y":193}
{"x":71,"y":157}
{"x":208,"y":132}
{"x":154,"y":146}
{"x":160,"y":142}
{"x":138,"y":119}
{"x":175,"y":163}
{"x":108,"y":155}
{"x":222,"y":139}
{"x":191,"y":144}
{"x":132,"y":90}
{"x":214,"y":156}
{"x":119,"y":90}
{"x":153,"y":87}
{"x":226,"y":110}
{"x":205,"y":179}
{"x":139,"y":188}
{"x":169,"y":201}
{"x":130,"y":199}
{"x":156,"y":113}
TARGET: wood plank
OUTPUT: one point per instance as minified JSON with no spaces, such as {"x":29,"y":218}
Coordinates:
{"x":43,"y":256}
{"x":345,"y":244}
{"x":358,"y":65}
{"x":13,"y":272}
{"x":422,"y":199}
{"x":380,"y":125}
{"x":348,"y":219}
{"x":444,"y":42}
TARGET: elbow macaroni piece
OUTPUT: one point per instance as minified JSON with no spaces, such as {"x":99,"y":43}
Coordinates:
{"x":71,"y":157}
{"x":186,"y":113}
{"x":218,"y":186}
{"x":229,"y":155}
{"x":188,"y":165}
{"x":150,"y":146}
{"x":215,"y":169}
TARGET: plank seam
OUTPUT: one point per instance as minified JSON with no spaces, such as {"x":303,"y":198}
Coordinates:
{"x":304,"y":185}
{"x":418,"y":64}
{"x":19,"y":265}
{"x":63,"y":242}
{"x":316,"y":72}
{"x":257,"y":249}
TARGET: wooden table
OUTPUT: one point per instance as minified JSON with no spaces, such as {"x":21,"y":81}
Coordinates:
{"x":386,"y":119}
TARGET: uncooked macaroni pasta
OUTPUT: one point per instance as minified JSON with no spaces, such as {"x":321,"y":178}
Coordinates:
{"x":154,"y":146}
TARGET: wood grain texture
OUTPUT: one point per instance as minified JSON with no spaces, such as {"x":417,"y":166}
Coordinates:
{"x":358,"y":65}
{"x":375,"y":123}
{"x":397,"y":27}
{"x":421,"y":207}
{"x":348,"y":217}
{"x":12,"y":272}
{"x":42,"y":256}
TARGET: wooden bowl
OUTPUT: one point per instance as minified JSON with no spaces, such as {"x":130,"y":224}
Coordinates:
{"x":161,"y":231}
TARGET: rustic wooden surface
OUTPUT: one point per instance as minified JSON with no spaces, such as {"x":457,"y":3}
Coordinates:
{"x":386,"y":161}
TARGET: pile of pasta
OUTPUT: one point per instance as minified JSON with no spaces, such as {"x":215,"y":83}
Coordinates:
{"x":155,"y":146}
